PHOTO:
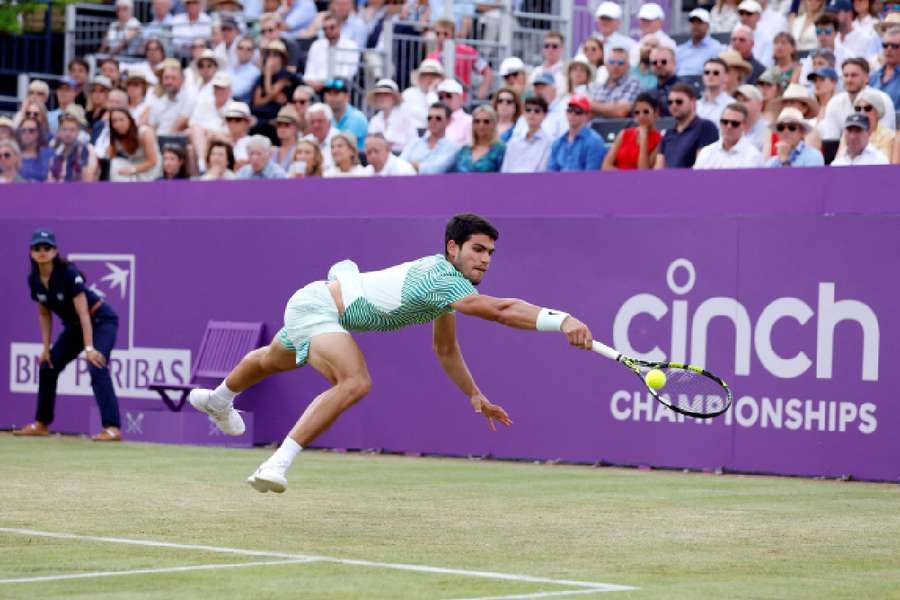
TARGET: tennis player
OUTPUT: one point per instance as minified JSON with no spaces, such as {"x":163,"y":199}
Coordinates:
{"x":319,"y":317}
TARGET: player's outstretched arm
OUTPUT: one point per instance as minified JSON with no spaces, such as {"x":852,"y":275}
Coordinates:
{"x":519,"y":314}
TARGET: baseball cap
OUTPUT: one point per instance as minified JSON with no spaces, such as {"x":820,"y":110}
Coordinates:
{"x":751,"y":6}
{"x":43,"y":236}
{"x":651,"y":12}
{"x":838,"y":6}
{"x":338,"y":84}
{"x":103,"y":81}
{"x":76,"y":112}
{"x":450,"y":86}
{"x":581,"y":102}
{"x":511,"y":65}
{"x":544,"y":79}
{"x":857,"y":120}
{"x":610,"y":10}
{"x":68,"y":82}
{"x":750,"y":92}
{"x":699,"y":13}
{"x":228,"y":22}
{"x":221,"y":79}
{"x":823,"y":72}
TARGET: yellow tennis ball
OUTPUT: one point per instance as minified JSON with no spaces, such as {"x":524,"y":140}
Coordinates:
{"x":655,"y":379}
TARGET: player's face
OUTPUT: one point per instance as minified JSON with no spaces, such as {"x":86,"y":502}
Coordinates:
{"x":473,"y":258}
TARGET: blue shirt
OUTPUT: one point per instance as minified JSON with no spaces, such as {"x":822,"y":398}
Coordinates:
{"x":681,"y":147}
{"x":62,"y":288}
{"x":36,"y":169}
{"x":271,"y":171}
{"x":690,"y":58}
{"x":489,"y":163}
{"x":461,"y":8}
{"x":584,"y":153}
{"x":300,"y":16}
{"x":356,"y":123}
{"x":801,"y":156}
{"x":431,"y":160}
{"x":243,"y":78}
{"x":891,"y":87}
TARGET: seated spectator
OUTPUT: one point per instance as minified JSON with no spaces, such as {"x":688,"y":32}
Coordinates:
{"x":390,"y":120}
{"x":740,"y":55}
{"x":637,"y":147}
{"x":109,"y":68}
{"x":757,"y":131}
{"x":381,"y":161}
{"x":459,"y":131}
{"x":714,"y":98}
{"x":203,"y":69}
{"x":219,"y":160}
{"x":785,"y":58}
{"x":417,"y":98}
{"x":514,"y":75}
{"x":272,"y":29}
{"x":643,"y":71}
{"x":733,"y":150}
{"x":349,"y":23}
{"x":485,"y":154}
{"x":101,"y":135}
{"x":160,"y":26}
{"x":433,"y":153}
{"x":468,"y":61}
{"x":692,"y":55}
{"x":580,"y":149}
{"x":608,"y":21}
{"x":174,"y":162}
{"x":554,"y":46}
{"x":555,"y":122}
{"x":260,"y":165}
{"x":768,"y":85}
{"x":871,"y":105}
{"x":275,"y":85}
{"x":169,"y":114}
{"x":579,"y":75}
{"x":857,"y":149}
{"x":226,"y":50}
{"x":7,"y":129}
{"x":592,"y":51}
{"x":662,"y":62}
{"x":136,"y":88}
{"x":304,"y":96}
{"x":530,"y":152}
{"x":797,"y":97}
{"x":791,"y":151}
{"x":345,"y":155}
{"x":613,"y":99}
{"x":65,"y":97}
{"x":651,"y":19}
{"x":856,"y":77}
{"x":824,"y":87}
{"x":724,"y":16}
{"x":124,"y":34}
{"x":188,"y":26}
{"x":10,"y":158}
{"x":508,"y":106}
{"x":73,"y":159}
{"x":155,"y":54}
{"x":307,"y":160}
{"x":749,"y":14}
{"x":79,"y":71}
{"x":208,"y":119}
{"x":887,"y":77}
{"x":245,"y":73}
{"x":320,"y":118}
{"x":35,"y":152}
{"x":346,"y":56}
{"x":286,"y":128}
{"x":97,"y":100}
{"x":739,"y":70}
{"x":297,"y":15}
{"x":133,"y":151}
{"x":38,"y":91}
{"x":239,"y":120}
{"x":346,"y":116}
{"x":679,"y":146}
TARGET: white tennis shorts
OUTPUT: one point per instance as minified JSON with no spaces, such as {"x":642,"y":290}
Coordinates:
{"x":311,"y":311}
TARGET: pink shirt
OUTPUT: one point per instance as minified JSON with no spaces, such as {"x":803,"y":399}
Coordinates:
{"x":459,"y":131}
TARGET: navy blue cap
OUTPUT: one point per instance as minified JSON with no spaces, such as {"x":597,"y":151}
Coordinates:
{"x":69,"y":82}
{"x":839,"y":5}
{"x":857,"y":120}
{"x":545,"y":79}
{"x":43,"y":236}
{"x":823,"y":72}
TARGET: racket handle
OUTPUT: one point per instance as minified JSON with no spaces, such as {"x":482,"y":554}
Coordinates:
{"x":604,"y":350}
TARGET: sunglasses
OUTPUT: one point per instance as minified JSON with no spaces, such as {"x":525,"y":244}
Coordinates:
{"x":712,"y":72}
{"x":41,"y":247}
{"x":660,"y":61}
{"x":246,"y":48}
{"x":890,"y":45}
{"x":676,"y":101}
{"x":505,"y":101}
{"x":745,"y":13}
{"x":824,"y":30}
{"x":207,"y":65}
{"x":6,"y":155}
{"x":32,"y":113}
{"x":302,"y":101}
{"x":482,"y":121}
{"x":616,"y":61}
{"x":781,"y":127}
{"x":864,"y":108}
{"x":575,"y":110}
{"x":730,"y":123}
{"x":508,"y":75}
{"x":435,"y":118}
{"x":445,"y":96}
{"x":532,"y":109}
{"x":234,"y":119}
{"x":552,"y":46}
{"x":271,"y":30}
{"x":640,"y":112}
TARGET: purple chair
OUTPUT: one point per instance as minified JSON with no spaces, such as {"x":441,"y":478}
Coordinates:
{"x":223,"y":345}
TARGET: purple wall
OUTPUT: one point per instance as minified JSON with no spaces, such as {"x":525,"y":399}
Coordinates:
{"x":774,"y":282}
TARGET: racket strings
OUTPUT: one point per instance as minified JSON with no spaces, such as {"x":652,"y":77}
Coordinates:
{"x":691,"y":392}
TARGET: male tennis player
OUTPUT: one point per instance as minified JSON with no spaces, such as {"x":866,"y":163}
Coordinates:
{"x":318,"y":317}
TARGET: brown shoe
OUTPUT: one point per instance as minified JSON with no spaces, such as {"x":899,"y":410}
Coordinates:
{"x":36,"y":429}
{"x":110,"y":434}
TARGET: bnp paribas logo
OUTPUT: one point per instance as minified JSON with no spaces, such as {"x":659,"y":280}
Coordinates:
{"x":114,"y":278}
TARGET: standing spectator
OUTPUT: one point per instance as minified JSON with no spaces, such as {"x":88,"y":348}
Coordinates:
{"x":784,"y":53}
{"x":345,"y":60}
{"x":245,"y":73}
{"x":514,"y":75}
{"x":274,"y":86}
{"x":679,"y":146}
{"x":613,"y":99}
{"x":170,"y":113}
{"x":508,"y":106}
{"x":791,"y":151}
{"x":739,"y":70}
{"x":174,"y":162}
{"x":750,"y":13}
{"x":188,"y":26}
{"x":208,"y":120}
{"x":345,"y":154}
{"x":36,"y":153}
{"x":529,"y":153}
{"x":346,"y":116}
{"x":10,"y":159}
{"x":580,"y":149}
{"x":433,"y":153}
{"x":637,"y":147}
{"x":724,"y":16}
{"x":390,"y":120}
{"x":160,"y":27}
{"x":124,"y":34}
{"x":692,"y":55}
{"x":742,"y":57}
{"x":468,"y":61}
{"x":320,"y":118}
{"x":887,"y":77}
{"x":79,"y":71}
{"x":714,"y":99}
{"x":485,"y":154}
{"x":73,"y":160}
{"x":417,"y":98}
{"x":136,"y":88}
{"x":459,"y":131}
{"x":219,"y":161}
{"x":733,"y":150}
{"x":803,"y":24}
{"x":857,"y":149}
{"x":307,"y":160}
{"x":260,"y":165}
{"x":609,"y":19}
{"x":286,"y":127}
{"x":239,"y":120}
{"x":662,"y":63}
{"x":757,"y":130}
{"x":65,"y":97}
{"x":133,"y":151}
{"x":554,"y":45}
{"x":381,"y":161}
{"x":856,"y":76}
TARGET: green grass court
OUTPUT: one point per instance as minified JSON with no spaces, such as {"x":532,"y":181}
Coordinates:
{"x":372,"y":526}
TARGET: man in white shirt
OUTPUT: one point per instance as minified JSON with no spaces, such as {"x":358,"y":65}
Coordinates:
{"x":459,"y":131}
{"x":529,"y":153}
{"x":757,"y":127}
{"x":417,"y":98}
{"x":750,"y":13}
{"x":856,"y":77}
{"x":188,"y":26}
{"x":859,"y":41}
{"x":381,"y":162}
{"x":609,"y":19}
{"x":772,"y":21}
{"x":208,"y":119}
{"x":859,"y":150}
{"x":553,"y":64}
{"x":651,"y":18}
{"x":231,"y":37}
{"x":169,"y":114}
{"x":714,"y":99}
{"x":344,"y":63}
{"x":318,"y":119}
{"x":239,"y":121}
{"x":554,"y":122}
{"x":733,"y":150}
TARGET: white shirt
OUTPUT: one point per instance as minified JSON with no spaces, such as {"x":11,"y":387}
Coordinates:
{"x":760,"y":134}
{"x":184,"y":32}
{"x":415,"y":105}
{"x":138,"y":111}
{"x":861,"y":41}
{"x":742,"y":155}
{"x":346,"y":60}
{"x":763,"y":47}
{"x":324,"y":147}
{"x":207,"y":116}
{"x":869,"y":156}
{"x":398,"y":131}
{"x":771,"y":23}
{"x":711,"y":110}
{"x":840,"y":107}
{"x":228,"y":56}
{"x":394,"y":166}
{"x":165,"y":111}
{"x":240,"y":149}
{"x":524,"y":155}
{"x":841,"y":53}
{"x":355,"y":171}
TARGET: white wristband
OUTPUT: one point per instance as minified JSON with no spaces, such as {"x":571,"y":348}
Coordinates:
{"x":88,"y":349}
{"x":550,"y":320}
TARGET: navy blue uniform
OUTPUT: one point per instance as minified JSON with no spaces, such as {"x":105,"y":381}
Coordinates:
{"x":64,"y":285}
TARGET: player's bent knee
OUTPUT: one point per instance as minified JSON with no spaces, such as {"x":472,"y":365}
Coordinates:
{"x":356,"y":387}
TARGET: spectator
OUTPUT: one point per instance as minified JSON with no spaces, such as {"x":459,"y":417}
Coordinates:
{"x":65,"y":97}
{"x":870,"y":104}
{"x":462,"y":16}
{"x":226,"y":50}
{"x":637,"y":147}
{"x":38,"y":91}
{"x":459,"y":131}
{"x":662,"y":63}
{"x":856,"y":76}
{"x":307,"y":160}
{"x":96,"y":106}
{"x":866,"y":15}
{"x":530,"y":152}
{"x":35,"y":152}
{"x":174,"y":162}
{"x":773,"y":21}
{"x":286,"y":127}
{"x":10,"y":159}
{"x":202,"y":71}
{"x":245,"y":73}
{"x":468,"y":61}
{"x":346,"y":116}
{"x":346,"y":56}
{"x":613,"y":99}
{"x":887,"y":77}
{"x":390,"y":120}
{"x":895,"y":151}
{"x":786,"y":64}
{"x":351,"y":26}
{"x":768,"y":85}
{"x":155,"y":53}
{"x":739,"y":70}
{"x":555,"y":123}
{"x":208,"y":120}
{"x":803,"y":25}
{"x":417,"y":98}
{"x":381,"y":161}
{"x":592,"y":52}
{"x":124,"y":34}
{"x":650,"y":21}
{"x":109,"y":68}
{"x":260,"y":165}
{"x":73,"y":159}
{"x":791,"y":151}
{"x":133,"y":151}
{"x":160,"y":27}
{"x":733,"y":150}
{"x":433,"y":153}
{"x":188,"y":26}
{"x":345,"y":155}
{"x":554,"y":45}
{"x":302,"y":100}
{"x":714,"y":99}
{"x":297,"y":15}
{"x":691,"y":56}
{"x":514,"y":75}
{"x":485,"y":154}
{"x":679,"y":146}
{"x":320,"y":120}
{"x":742,"y":57}
{"x":858,"y":150}
{"x":272,"y":30}
{"x":749,"y":13}
{"x":169,"y":114}
{"x":508,"y":106}
{"x":609,"y":19}
{"x":858,"y":42}
{"x":7,"y":129}
{"x":101,"y":136}
{"x":33,"y":109}
{"x":136,"y":88}
{"x":824,"y":85}
{"x":757,"y":127}
{"x":827,"y":39}
{"x":274,"y":86}
{"x":219,"y":161}
{"x":79,"y":72}
{"x":579,"y":75}
{"x":724,"y":16}
{"x":580,"y":149}
{"x":797,"y":97}
{"x":239,"y":120}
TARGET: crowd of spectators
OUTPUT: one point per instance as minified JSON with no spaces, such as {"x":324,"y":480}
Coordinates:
{"x":262,"y":89}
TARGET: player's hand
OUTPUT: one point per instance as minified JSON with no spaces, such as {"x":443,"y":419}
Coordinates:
{"x":490,"y":411}
{"x":45,"y":357}
{"x":577,"y":333}
{"x":96,"y":358}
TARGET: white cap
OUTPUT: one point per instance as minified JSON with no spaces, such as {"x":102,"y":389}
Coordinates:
{"x":511,"y":65}
{"x":699,"y":13}
{"x":450,"y":86}
{"x":751,"y":6}
{"x":651,"y":12}
{"x":609,"y":9}
{"x":221,"y":79}
{"x":127,"y":3}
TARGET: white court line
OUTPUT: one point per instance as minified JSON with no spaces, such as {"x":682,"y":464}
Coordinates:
{"x":593,"y":586}
{"x":540,"y":595}
{"x":151,"y":571}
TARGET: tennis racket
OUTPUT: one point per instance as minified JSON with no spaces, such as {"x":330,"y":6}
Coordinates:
{"x":688,"y":390}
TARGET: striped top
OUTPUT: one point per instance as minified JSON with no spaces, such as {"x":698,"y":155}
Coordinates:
{"x":407,"y":294}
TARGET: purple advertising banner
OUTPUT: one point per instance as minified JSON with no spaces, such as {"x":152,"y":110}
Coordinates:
{"x":779,"y":281}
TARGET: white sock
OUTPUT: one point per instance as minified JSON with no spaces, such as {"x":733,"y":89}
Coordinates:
{"x":221,"y":397}
{"x":286,"y":453}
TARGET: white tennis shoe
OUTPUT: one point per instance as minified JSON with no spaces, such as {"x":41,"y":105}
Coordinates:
{"x":228,"y":420}
{"x":268,"y":478}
